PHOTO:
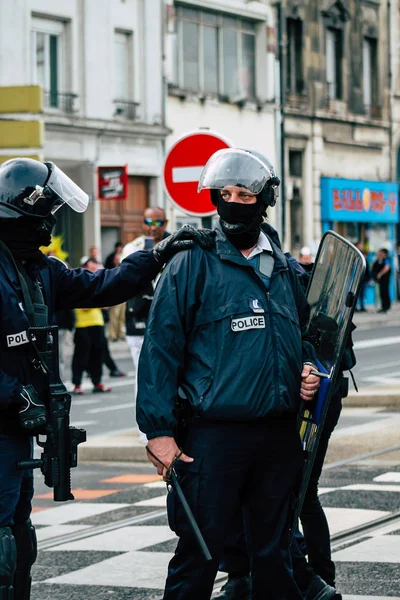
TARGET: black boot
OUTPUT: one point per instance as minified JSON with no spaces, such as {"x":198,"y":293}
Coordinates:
{"x":319,"y":590}
{"x":238,"y":587}
{"x":25,"y":539}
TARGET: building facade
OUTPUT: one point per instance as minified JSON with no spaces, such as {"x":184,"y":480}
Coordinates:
{"x":220,"y":71}
{"x":100,"y":64}
{"x":338,"y":118}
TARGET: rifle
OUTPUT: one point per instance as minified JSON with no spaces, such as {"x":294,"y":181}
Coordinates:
{"x":60,"y":448}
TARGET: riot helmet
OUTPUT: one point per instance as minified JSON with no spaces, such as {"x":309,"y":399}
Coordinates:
{"x":248,"y":169}
{"x":29,"y":188}
{"x":241,"y":167}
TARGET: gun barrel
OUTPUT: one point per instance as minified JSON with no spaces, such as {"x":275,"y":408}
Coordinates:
{"x":35,"y":463}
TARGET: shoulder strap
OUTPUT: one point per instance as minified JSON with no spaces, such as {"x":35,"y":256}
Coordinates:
{"x":24,"y":288}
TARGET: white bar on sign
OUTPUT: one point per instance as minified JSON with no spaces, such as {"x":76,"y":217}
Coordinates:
{"x":186,"y":174}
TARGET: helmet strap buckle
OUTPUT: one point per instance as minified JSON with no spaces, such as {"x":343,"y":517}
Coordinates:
{"x":36,"y":195}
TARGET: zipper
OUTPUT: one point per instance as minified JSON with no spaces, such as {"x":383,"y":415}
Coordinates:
{"x":273,"y":347}
{"x":206,"y":391}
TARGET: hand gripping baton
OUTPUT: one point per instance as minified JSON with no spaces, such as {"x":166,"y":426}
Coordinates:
{"x":174,"y":482}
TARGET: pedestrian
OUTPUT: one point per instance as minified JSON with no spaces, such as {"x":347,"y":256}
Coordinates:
{"x":315,"y":578}
{"x":111,"y":260}
{"x":32,"y":288}
{"x":116,"y":325}
{"x":108,"y":360}
{"x":137,"y":308}
{"x":225,"y":330}
{"x":94,"y":252}
{"x":305,"y":256}
{"x":381,"y":274}
{"x":398,"y":270}
{"x":65,"y":321}
{"x":367,"y":278}
{"x":89,"y":344}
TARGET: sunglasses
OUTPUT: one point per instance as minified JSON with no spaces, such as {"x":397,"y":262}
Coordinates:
{"x":154,"y":223}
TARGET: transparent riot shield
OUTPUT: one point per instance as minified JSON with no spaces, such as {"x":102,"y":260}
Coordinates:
{"x":332,"y":294}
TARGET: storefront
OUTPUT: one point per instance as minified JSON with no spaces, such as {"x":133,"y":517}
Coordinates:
{"x":362,"y":210}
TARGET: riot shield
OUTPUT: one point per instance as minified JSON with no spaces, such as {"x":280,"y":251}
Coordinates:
{"x":332,"y":293}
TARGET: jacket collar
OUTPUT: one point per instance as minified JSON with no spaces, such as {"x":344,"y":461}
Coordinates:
{"x":227,"y":251}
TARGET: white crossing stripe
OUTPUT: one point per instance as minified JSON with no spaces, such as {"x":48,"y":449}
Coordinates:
{"x":156,"y":484}
{"x":345,"y":597}
{"x":341,"y":519}
{"x":186,"y":174}
{"x":47,"y":533}
{"x":391,"y":477}
{"x":371,"y":487}
{"x":125,"y":539}
{"x":326,"y":490}
{"x":158,"y":501}
{"x":73,"y":512}
{"x":379,"y":549}
{"x":130,"y":570}
{"x":111,"y":408}
{"x":365,"y":344}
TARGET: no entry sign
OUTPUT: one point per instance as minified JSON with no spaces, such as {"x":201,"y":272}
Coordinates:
{"x":183,"y":166}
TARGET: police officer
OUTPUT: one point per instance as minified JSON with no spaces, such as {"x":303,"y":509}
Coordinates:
{"x":32,"y":287}
{"x":315,"y":577}
{"x":225,"y":328}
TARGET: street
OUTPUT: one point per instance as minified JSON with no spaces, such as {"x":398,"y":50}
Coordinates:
{"x":377,"y":362}
{"x":114,"y":540}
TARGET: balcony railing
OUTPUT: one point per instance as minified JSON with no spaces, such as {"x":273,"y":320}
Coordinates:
{"x":127,"y":109}
{"x":63,"y":102}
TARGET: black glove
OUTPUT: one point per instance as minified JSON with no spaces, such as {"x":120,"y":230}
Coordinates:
{"x":32,"y":412}
{"x":184,"y":239}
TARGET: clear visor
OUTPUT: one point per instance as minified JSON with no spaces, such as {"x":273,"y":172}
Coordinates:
{"x":68,"y":192}
{"x":235,"y":167}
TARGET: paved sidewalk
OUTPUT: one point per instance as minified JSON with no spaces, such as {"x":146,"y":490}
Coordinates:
{"x":374,"y":319}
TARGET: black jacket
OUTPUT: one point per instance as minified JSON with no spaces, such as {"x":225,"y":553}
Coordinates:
{"x":63,"y":288}
{"x":234,"y":349}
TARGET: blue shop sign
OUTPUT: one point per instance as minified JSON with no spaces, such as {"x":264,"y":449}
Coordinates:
{"x":359,"y":201}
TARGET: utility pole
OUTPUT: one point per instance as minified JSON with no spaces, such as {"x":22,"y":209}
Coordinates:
{"x":280,"y":117}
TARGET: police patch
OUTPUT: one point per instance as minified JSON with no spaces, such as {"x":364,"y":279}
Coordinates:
{"x":17,"y":339}
{"x":255,"y":306}
{"x":247,"y":323}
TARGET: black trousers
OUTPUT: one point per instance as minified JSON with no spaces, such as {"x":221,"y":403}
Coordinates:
{"x":107,"y":358}
{"x":235,"y":557}
{"x":384,"y":293}
{"x":88,"y":354}
{"x":252,"y":469}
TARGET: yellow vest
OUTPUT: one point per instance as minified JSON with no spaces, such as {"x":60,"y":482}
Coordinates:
{"x":88,"y":317}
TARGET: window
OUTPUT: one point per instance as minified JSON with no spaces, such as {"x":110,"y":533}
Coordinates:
{"x":122,"y":65}
{"x":294,"y":73}
{"x":296,"y":163}
{"x":47,"y":38}
{"x":217,"y":54}
{"x":370,"y":72}
{"x":334,"y":54}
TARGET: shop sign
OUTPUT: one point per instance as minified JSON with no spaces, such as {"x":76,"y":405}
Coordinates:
{"x":113,"y":183}
{"x":349,"y":200}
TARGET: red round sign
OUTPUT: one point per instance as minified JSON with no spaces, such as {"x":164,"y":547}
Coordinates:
{"x":182,"y":168}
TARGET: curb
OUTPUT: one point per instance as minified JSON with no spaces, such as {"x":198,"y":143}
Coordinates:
{"x":133,"y":453}
{"x":125,"y":447}
{"x":373,"y":398}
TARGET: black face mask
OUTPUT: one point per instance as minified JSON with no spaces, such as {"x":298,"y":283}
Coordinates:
{"x":241,"y":223}
{"x":24,"y":237}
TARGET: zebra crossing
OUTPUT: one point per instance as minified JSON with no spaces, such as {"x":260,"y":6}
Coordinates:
{"x":132,"y":561}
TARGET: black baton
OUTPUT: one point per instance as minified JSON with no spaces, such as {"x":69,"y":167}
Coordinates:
{"x":173,"y":480}
{"x":192,"y":521}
